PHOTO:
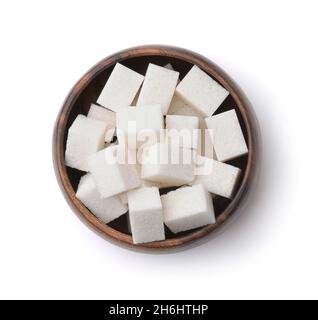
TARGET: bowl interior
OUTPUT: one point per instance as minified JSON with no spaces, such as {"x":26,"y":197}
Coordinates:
{"x":89,"y":95}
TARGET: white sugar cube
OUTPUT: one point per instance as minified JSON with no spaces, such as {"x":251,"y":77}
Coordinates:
{"x":112,"y":174}
{"x":167,"y":165}
{"x":85,"y":137}
{"x":109,"y":117}
{"x":137,"y":123}
{"x":145,"y":215}
{"x":169,"y":66}
{"x":183,"y":130}
{"x":207,"y":148}
{"x":228,"y":138}
{"x":120,"y":88}
{"x":201,"y":92}
{"x":187,"y":208}
{"x":128,"y":222}
{"x":106,"y":209}
{"x":158,"y":87}
{"x":134,"y":102}
{"x":149,"y":184}
{"x":123,"y":197}
{"x":179,"y":107}
{"x":217,"y":177}
{"x":100,"y":113}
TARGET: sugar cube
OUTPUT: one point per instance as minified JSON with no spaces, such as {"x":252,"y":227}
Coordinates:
{"x":183,"y":130}
{"x":106,"y":209}
{"x":134,"y":124}
{"x":85,"y":137}
{"x":187,"y":208}
{"x":179,"y":107}
{"x":167,"y":164}
{"x":109,"y":117}
{"x":112,"y":174}
{"x":149,"y":184}
{"x":158,"y":87}
{"x":120,"y":88}
{"x":134,"y":102}
{"x":145,"y":215}
{"x":201,"y":92}
{"x":123,"y":197}
{"x":207,"y":148}
{"x":169,"y":66}
{"x":128,"y":222}
{"x":217,"y":177}
{"x":228,"y":138}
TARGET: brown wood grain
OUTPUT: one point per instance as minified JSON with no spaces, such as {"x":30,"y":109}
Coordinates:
{"x":86,"y":91}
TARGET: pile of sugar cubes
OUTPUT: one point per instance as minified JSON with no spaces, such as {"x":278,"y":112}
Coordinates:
{"x":147,"y":133}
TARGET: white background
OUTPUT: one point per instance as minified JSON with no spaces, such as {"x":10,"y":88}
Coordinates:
{"x":269,"y":47}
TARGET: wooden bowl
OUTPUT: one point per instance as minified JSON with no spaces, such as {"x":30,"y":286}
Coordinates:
{"x":86,"y":91}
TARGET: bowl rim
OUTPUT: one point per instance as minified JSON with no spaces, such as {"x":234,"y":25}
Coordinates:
{"x":208,"y":66}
